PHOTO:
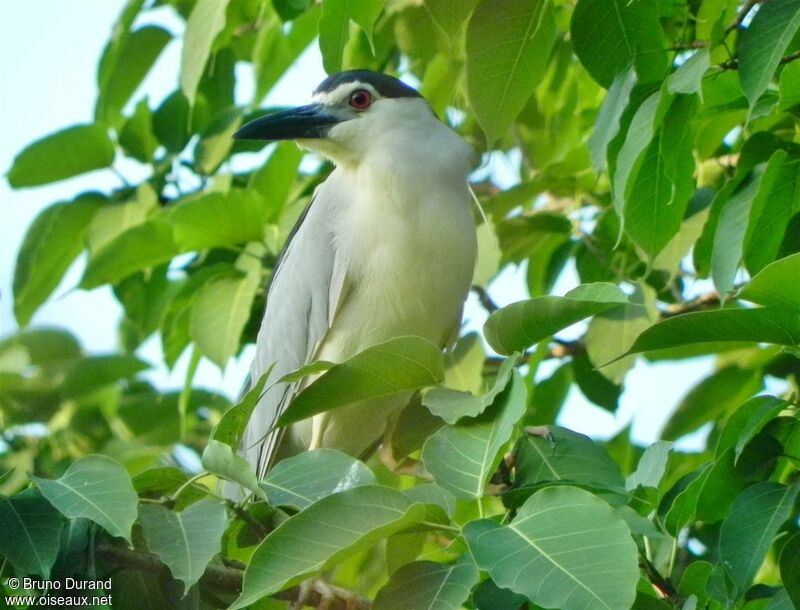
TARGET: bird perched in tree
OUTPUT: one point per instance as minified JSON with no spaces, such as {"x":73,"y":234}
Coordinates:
{"x":385,"y":248}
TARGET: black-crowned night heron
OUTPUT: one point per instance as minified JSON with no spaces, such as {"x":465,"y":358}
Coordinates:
{"x":385,"y":248}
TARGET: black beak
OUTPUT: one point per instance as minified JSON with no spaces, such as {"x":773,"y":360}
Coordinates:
{"x":305,"y":122}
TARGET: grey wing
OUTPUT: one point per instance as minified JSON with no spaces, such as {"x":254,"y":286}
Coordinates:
{"x":303,"y":296}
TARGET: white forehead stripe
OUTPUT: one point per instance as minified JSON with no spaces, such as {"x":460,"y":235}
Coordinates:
{"x":342,"y":92}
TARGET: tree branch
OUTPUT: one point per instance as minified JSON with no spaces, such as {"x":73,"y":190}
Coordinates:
{"x":661,"y":584}
{"x":733,"y":64}
{"x":742,"y":15}
{"x":484,"y":298}
{"x":224,"y":579}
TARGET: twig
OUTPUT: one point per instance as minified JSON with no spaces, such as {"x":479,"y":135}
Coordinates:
{"x":483,"y":296}
{"x":733,"y":64}
{"x":225,"y":579}
{"x":662,"y":585}
{"x":742,"y":15}
{"x":692,"y":44}
{"x":258,"y":529}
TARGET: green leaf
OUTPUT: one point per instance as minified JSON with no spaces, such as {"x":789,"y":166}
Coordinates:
{"x":764,"y":42}
{"x":763,"y":410}
{"x":427,"y":584}
{"x":51,"y":244}
{"x":324,"y":534}
{"x":762,"y":325}
{"x":658,"y":191}
{"x":565,"y":549}
{"x":66,"y":153}
{"x":136,"y":57}
{"x":114,"y":218}
{"x":217,"y":220}
{"x":609,"y":35}
{"x":532,"y":236}
{"x":140,"y":247}
{"x":136,"y":136}
{"x":431,"y":493}
{"x":790,"y":568}
{"x":790,"y":86}
{"x":477,"y":442}
{"x":94,"y":372}
{"x":593,"y":384}
{"x":220,"y":312}
{"x":219,"y":458}
{"x":96,"y":488}
{"x":450,"y":15}
{"x":163,"y":480}
{"x":334,"y":27}
{"x":683,"y":508}
{"x":275,"y":50}
{"x":31,"y":531}
{"x":393,"y":367}
{"x":274,"y":180}
{"x":689,"y":76}
{"x":175,"y":325}
{"x":525,"y":323}
{"x":640,"y":133}
{"x":569,"y":457}
{"x":187,"y":540}
{"x":771,"y":213}
{"x":613,"y":332}
{"x":231,"y":426}
{"x":45,"y":347}
{"x":206,"y":20}
{"x":171,"y":121}
{"x":488,"y":596}
{"x":771,"y":286}
{"x":651,"y":468}
{"x":714,"y":396}
{"x":452,"y":405}
{"x":301,"y":480}
{"x":729,"y":237}
{"x":747,"y":533}
{"x":607,"y":124}
{"x":140,"y":590}
{"x":506,"y":59}
{"x":215,"y":144}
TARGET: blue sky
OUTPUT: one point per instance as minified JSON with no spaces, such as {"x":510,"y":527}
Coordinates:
{"x":47,"y":65}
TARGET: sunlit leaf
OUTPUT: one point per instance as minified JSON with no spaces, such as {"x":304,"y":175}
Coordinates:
{"x":610,"y":34}
{"x":303,"y":479}
{"x":205,"y":22}
{"x":522,"y":324}
{"x":322,"y":535}
{"x":219,"y":458}
{"x":477,"y":442}
{"x":66,"y":153}
{"x":393,"y":367}
{"x":764,"y":42}
{"x":452,"y":405}
{"x":506,"y":58}
{"x":565,"y":548}
{"x":97,"y":488}
{"x":765,"y":324}
{"x":51,"y":244}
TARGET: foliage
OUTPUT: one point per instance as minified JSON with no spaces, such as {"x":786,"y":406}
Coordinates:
{"x":657,"y":147}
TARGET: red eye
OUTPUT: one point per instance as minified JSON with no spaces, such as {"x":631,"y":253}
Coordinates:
{"x":360,"y":99}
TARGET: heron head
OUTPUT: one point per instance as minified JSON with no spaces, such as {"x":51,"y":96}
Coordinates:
{"x":352,"y":112}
